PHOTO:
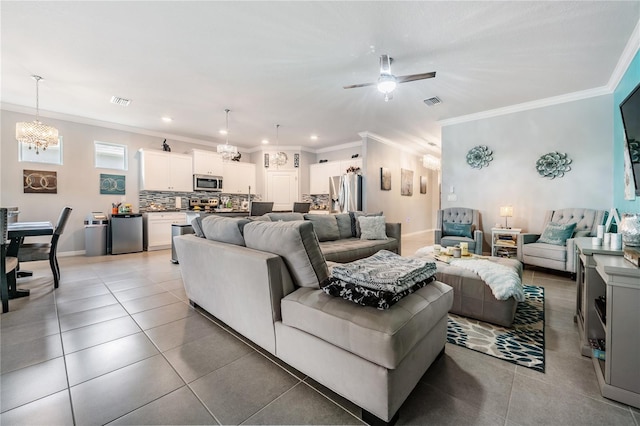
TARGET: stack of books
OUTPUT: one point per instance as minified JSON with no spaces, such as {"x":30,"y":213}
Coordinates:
{"x":598,"y":348}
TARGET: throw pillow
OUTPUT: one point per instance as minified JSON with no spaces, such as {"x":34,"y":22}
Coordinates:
{"x":452,"y":229}
{"x":296,"y":243}
{"x":224,"y":229}
{"x":557,"y":233}
{"x":325,"y":225}
{"x":355,"y":225}
{"x":372,"y":228}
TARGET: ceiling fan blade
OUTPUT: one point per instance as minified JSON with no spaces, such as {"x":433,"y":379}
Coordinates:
{"x":353,"y":86}
{"x":414,"y":77}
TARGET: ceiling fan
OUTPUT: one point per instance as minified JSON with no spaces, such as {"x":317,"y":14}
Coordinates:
{"x":387,"y":82}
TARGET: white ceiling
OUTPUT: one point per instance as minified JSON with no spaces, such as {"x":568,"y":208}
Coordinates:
{"x":286,"y":63}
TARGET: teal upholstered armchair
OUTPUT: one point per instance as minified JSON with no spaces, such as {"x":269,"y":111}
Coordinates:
{"x":553,"y":250}
{"x":457,"y":225}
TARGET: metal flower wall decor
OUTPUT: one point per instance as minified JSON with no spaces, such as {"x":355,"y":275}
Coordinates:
{"x":479,"y":156}
{"x":553,"y":165}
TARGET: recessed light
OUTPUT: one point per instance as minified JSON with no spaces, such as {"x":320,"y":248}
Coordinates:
{"x":314,"y":137}
{"x":167,"y":119}
{"x":265,"y":141}
{"x":223,"y":132}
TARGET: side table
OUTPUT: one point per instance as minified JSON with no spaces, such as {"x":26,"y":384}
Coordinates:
{"x":504,"y":242}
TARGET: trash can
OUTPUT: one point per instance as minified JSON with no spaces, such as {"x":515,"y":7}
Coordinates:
{"x":12,"y":214}
{"x":178,"y":229}
{"x":95,"y":234}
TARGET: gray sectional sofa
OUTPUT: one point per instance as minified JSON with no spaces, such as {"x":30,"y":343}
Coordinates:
{"x":262,"y":279}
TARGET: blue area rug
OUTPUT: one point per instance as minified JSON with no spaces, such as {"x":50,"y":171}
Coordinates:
{"x":522,"y":345}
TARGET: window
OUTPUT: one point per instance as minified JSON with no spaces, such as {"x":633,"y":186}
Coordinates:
{"x":111,"y":156}
{"x":51,"y":155}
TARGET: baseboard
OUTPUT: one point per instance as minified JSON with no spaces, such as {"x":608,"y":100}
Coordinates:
{"x":71,"y":253}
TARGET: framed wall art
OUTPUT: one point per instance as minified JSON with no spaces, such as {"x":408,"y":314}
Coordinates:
{"x":112,"y":184}
{"x":40,"y":182}
{"x":406,"y":182}
{"x":385,"y":179}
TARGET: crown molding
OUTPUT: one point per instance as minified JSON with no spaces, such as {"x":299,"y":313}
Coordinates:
{"x":338,"y":147}
{"x":525,"y":106}
{"x":629,"y":52}
{"x":389,"y":142}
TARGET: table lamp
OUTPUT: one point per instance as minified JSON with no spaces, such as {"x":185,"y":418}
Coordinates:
{"x":506,"y":212}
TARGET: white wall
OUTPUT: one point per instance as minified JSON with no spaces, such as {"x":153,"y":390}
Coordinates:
{"x":78,"y":179}
{"x":417,"y":212}
{"x":582,"y":129}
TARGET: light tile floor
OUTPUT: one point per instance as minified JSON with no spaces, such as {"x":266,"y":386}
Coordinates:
{"x":118,"y":343}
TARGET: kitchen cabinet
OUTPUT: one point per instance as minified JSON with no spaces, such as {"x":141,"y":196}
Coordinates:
{"x":238,"y":177}
{"x":319,"y":175}
{"x":157,"y":228}
{"x":165,"y":171}
{"x":207,"y":163}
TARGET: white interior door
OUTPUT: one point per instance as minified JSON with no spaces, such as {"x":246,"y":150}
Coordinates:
{"x":282,"y":188}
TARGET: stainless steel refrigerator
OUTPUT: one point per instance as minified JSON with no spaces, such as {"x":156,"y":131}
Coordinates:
{"x":345,"y":193}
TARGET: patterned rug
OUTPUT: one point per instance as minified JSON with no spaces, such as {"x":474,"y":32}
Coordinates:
{"x":522,"y":345}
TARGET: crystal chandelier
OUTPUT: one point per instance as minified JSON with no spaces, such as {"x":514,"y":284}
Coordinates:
{"x":280,"y":158}
{"x":228,"y":152}
{"x":431,"y":162}
{"x":35,"y":134}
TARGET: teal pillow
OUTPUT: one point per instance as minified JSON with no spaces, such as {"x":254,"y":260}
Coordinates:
{"x":451,"y":229}
{"x":557,"y":233}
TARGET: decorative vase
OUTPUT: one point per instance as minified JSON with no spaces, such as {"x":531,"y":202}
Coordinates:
{"x":630,"y":229}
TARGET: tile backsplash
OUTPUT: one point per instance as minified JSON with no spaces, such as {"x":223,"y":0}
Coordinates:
{"x":167,"y":199}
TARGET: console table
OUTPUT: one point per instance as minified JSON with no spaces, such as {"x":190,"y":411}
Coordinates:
{"x":604,"y":272}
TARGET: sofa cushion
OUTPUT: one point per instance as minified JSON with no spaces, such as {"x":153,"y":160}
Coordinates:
{"x":350,"y":249}
{"x":355,"y":224}
{"x":557,"y":233}
{"x":284,"y":217}
{"x":224,"y":229}
{"x":196,"y":224}
{"x":454,"y":229}
{"x":383,"y":337}
{"x":545,"y":251}
{"x":372,"y":228}
{"x":344,"y":225}
{"x":296,"y":243}
{"x":325,"y":225}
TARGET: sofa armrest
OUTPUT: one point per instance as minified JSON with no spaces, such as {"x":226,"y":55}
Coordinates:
{"x":437,"y":236}
{"x":523,"y":239}
{"x":394,"y":230}
{"x":571,"y":255}
{"x":478,"y":237}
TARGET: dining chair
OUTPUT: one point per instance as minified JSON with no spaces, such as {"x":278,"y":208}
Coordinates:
{"x":299,"y":207}
{"x":258,"y":208}
{"x":29,"y":252}
{"x":8,"y":265}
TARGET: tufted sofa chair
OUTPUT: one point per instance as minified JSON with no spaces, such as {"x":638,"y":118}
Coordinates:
{"x":560,"y":258}
{"x":459,"y":215}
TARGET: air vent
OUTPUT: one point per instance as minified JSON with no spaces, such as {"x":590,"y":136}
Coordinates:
{"x":433,"y":101}
{"x":122,"y":101}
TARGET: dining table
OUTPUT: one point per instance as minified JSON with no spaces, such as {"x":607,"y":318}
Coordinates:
{"x":16,"y":232}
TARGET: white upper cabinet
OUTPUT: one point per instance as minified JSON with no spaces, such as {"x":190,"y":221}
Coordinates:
{"x":207,"y":163}
{"x":238,"y":177}
{"x":319,"y":175}
{"x":165,"y":171}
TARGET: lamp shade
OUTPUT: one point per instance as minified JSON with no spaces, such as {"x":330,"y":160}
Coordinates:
{"x":506,"y":211}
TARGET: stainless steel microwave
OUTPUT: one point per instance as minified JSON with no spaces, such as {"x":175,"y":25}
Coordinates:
{"x":207,"y":183}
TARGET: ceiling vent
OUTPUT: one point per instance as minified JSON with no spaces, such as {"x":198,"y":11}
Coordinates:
{"x":433,"y":101}
{"x":122,"y":101}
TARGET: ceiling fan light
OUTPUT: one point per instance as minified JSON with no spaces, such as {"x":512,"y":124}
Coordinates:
{"x":387,"y":83}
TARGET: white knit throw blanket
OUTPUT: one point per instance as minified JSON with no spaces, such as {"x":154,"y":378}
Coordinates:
{"x":503,"y":280}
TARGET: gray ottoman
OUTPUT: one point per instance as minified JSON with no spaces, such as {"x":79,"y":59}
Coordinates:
{"x":472,"y":298}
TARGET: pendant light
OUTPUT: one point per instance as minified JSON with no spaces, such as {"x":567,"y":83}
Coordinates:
{"x":36,"y":134}
{"x":228,"y":152}
{"x":280,"y":158}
